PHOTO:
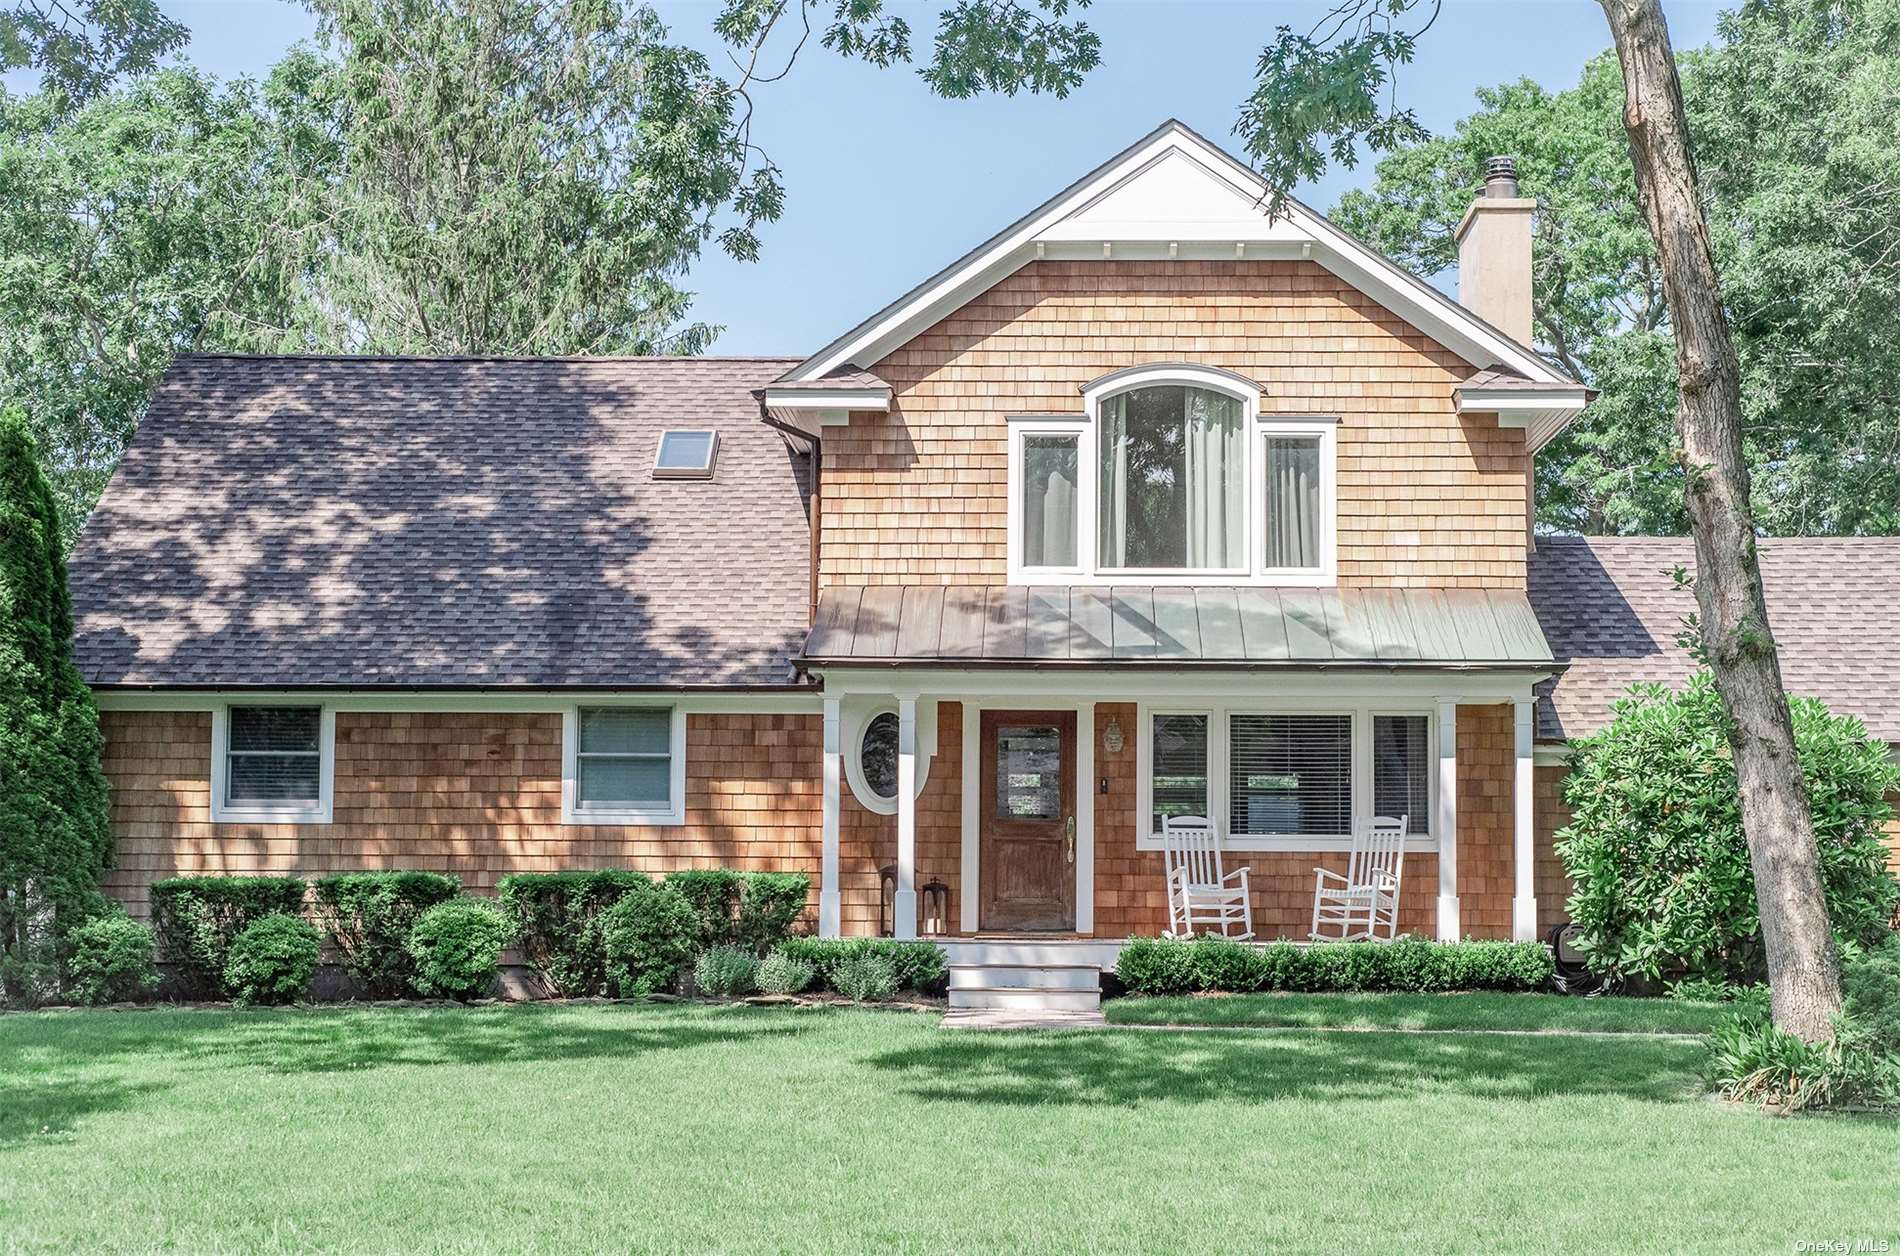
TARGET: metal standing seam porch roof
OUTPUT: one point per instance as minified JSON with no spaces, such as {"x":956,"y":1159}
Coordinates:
{"x":1175,"y":626}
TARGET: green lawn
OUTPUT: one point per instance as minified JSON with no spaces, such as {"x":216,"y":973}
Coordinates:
{"x":1527,"y":1012}
{"x":545,"y":1128}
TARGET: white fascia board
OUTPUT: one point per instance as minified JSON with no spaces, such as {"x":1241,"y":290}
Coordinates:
{"x":1110,"y":684}
{"x":490,"y":701}
{"x":1542,"y":413}
{"x":1300,"y":228}
{"x":828,"y":398}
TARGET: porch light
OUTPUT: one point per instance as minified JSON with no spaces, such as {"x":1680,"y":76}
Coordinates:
{"x":1112,"y":740}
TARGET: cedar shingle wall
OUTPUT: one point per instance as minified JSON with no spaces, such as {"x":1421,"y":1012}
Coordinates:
{"x":478,"y":795}
{"x":1425,"y":497}
{"x":1487,"y":771}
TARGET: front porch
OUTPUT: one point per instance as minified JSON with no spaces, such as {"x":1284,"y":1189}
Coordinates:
{"x":1312,"y":751}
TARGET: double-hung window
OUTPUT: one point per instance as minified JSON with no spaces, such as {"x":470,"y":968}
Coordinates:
{"x":1285,"y":779}
{"x":625,"y":764}
{"x":272,"y":764}
{"x":1170,"y":475}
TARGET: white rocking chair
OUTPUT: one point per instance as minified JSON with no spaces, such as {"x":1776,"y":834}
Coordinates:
{"x":1202,"y":896}
{"x":1365,"y":902}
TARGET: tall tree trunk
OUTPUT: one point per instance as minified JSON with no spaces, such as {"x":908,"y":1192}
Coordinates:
{"x":1803,"y":967}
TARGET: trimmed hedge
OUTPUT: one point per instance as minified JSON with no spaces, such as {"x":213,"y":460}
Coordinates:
{"x":369,"y":916}
{"x":918,"y":966}
{"x":1408,"y":965}
{"x":753,"y":910}
{"x":272,"y":960}
{"x":456,"y":947}
{"x":557,"y":923}
{"x":111,"y":960}
{"x":195,"y":920}
{"x":648,"y":939}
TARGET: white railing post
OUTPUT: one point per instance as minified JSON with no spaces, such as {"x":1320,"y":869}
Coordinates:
{"x":830,"y":901}
{"x":1524,"y":903}
{"x":1447,"y":820}
{"x":904,"y":915}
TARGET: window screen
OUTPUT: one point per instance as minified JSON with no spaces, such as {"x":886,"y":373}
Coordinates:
{"x":624,"y":757}
{"x":1178,"y":753}
{"x":1401,"y":761}
{"x":1291,"y":774}
{"x":686,"y":455}
{"x":275,"y":755}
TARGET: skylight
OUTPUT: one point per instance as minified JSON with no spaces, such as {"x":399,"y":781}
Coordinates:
{"x":686,"y":455}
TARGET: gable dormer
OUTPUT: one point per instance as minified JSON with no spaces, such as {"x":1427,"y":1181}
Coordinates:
{"x":1148,"y":379}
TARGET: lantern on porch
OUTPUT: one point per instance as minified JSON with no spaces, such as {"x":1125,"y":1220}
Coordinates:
{"x":935,"y":902}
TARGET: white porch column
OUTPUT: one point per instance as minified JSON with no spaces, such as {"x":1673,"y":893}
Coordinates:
{"x":904,"y":913}
{"x":1447,"y":820}
{"x":830,"y":901}
{"x":1524,"y":903}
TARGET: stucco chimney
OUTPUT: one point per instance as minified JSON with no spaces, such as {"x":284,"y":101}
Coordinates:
{"x":1494,"y":252}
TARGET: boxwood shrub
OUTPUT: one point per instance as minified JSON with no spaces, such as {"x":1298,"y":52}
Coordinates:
{"x":195,"y":920}
{"x":111,"y":960}
{"x":754,"y":910}
{"x":917,"y":965}
{"x":648,"y":938}
{"x":557,"y":923}
{"x":455,"y":947}
{"x":272,"y":960}
{"x":369,"y":916}
{"x":1166,"y":966}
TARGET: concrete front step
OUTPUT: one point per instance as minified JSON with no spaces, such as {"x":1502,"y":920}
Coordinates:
{"x":1026,"y":976}
{"x":1027,"y":999}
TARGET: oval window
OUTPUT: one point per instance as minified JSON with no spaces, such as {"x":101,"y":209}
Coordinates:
{"x":877,"y":754}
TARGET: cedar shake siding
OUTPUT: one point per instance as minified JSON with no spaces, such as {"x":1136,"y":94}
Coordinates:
{"x":1426,"y":497}
{"x":479,"y":795}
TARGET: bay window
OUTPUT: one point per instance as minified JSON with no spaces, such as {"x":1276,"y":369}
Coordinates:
{"x":1275,"y":779}
{"x":1170,"y":475}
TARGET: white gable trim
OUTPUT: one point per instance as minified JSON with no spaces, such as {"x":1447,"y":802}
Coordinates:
{"x":1094,"y":218}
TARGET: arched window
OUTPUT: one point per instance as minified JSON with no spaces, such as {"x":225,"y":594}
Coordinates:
{"x":1171,"y":480}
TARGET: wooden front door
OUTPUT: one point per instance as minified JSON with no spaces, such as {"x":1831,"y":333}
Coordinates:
{"x":1027,"y":825}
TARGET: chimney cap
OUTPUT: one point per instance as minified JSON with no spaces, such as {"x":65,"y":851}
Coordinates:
{"x":1500,"y":176}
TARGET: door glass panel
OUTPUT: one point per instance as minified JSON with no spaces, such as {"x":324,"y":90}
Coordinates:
{"x":1028,"y":772}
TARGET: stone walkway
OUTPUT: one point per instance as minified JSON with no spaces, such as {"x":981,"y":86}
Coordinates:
{"x":1007,"y":1018}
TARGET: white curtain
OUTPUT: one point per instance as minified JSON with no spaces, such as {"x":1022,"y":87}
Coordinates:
{"x":1292,"y":502}
{"x":1215,"y":500}
{"x":1049,"y":502}
{"x":1111,"y":493}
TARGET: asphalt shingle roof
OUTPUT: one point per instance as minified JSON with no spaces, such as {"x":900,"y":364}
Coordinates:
{"x":446,"y":522}
{"x":1611,"y":610}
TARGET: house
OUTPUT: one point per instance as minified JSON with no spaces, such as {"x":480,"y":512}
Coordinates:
{"x":1148,"y":505}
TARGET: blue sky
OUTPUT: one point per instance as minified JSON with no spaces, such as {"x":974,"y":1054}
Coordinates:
{"x":885,"y":183}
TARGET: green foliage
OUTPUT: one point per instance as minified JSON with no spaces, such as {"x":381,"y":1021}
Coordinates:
{"x":918,"y":965}
{"x":1870,"y":982}
{"x":80,"y":47}
{"x":196,"y":919}
{"x":754,"y":910}
{"x":649,"y":938}
{"x":726,"y":970}
{"x":369,"y":916}
{"x":783,"y":973}
{"x":1752,"y":1060}
{"x":1791,"y":118}
{"x":867,"y":977}
{"x":1410,"y":965}
{"x":111,"y":960}
{"x":272,"y":960}
{"x":54,"y":836}
{"x":557,"y":921}
{"x":770,"y":904}
{"x":1664,"y":885}
{"x":456,"y":947}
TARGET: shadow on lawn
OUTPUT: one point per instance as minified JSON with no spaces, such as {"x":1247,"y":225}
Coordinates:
{"x":39,"y":1107}
{"x":1132,"y":1069}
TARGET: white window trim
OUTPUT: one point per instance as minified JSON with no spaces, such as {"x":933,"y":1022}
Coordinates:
{"x":319,"y":811}
{"x":1326,"y":432}
{"x":1219,"y":769}
{"x":572,"y":813}
{"x":856,"y":720}
{"x":1085,"y":427}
